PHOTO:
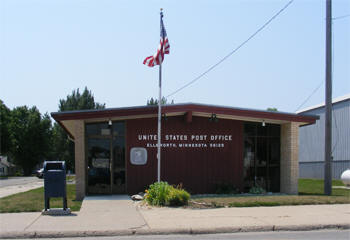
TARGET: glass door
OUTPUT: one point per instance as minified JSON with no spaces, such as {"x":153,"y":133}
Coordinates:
{"x":261,"y":162}
{"x":99,"y":166}
{"x":118,"y":165}
{"x":105,"y":158}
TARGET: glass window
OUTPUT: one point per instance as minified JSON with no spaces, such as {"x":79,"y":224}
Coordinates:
{"x":98,"y":165}
{"x":96,"y":128}
{"x":274,"y":130}
{"x":274,"y":151}
{"x":262,"y":156}
{"x":262,"y":130}
{"x":118,"y":128}
{"x":250,"y":129}
{"x":248,"y":162}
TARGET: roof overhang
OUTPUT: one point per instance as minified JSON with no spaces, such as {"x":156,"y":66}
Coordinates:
{"x":68,"y":119}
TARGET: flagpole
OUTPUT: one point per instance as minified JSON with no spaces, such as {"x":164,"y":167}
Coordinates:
{"x":159,"y":118}
{"x":159,"y":110}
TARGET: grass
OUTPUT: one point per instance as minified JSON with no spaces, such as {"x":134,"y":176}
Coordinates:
{"x":315,"y":187}
{"x":70,"y":178}
{"x":33,"y":201}
{"x":310,"y":192}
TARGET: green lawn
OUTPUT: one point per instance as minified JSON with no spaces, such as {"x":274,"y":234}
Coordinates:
{"x":70,"y":178}
{"x":33,"y":201}
{"x":310,"y":192}
{"x":315,"y":187}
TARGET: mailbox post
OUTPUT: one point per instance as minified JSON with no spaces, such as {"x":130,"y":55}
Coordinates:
{"x":55,"y":182}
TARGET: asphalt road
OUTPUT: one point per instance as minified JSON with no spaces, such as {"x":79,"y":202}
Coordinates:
{"x":15,"y":181}
{"x":309,"y":235}
{"x":13,"y":185}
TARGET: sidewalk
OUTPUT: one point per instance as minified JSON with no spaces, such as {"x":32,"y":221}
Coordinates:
{"x":305,"y":217}
{"x":117,"y":215}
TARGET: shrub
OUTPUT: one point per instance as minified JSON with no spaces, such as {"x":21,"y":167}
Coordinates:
{"x":257,"y":190}
{"x":158,"y":193}
{"x":161,"y":194}
{"x":178,"y":197}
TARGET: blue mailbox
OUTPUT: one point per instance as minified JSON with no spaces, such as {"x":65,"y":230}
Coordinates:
{"x":55,"y":182}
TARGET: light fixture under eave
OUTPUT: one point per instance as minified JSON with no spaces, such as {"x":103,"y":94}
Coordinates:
{"x":263,"y":123}
{"x":213,"y":118}
{"x":110,"y":123}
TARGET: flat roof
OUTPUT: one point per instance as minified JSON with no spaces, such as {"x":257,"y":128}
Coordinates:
{"x":183,"y":107}
{"x":334,"y":101}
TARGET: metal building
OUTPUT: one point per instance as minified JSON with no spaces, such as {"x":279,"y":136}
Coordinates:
{"x":311,"y":140}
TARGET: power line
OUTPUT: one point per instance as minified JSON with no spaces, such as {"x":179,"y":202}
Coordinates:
{"x":340,"y":17}
{"x":313,"y":92}
{"x":232,"y":52}
{"x":307,"y":99}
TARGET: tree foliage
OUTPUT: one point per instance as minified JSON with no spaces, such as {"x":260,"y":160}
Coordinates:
{"x":153,"y":101}
{"x":272,"y":109}
{"x":5,"y":142}
{"x":78,"y":101}
{"x":30,"y":136}
{"x":63,"y":148}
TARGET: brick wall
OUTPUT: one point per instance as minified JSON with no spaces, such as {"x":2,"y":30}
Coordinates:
{"x":289,"y":158}
{"x":80,"y":168}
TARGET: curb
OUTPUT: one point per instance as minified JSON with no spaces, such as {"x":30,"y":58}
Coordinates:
{"x":128,"y":232}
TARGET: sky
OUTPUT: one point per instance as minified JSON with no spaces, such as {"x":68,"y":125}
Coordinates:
{"x":50,"y":48}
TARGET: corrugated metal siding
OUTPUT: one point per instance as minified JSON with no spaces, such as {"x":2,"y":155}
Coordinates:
{"x":316,"y":169}
{"x":198,"y":169}
{"x":311,"y":138}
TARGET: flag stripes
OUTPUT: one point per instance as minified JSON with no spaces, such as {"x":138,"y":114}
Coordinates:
{"x":163,"y":48}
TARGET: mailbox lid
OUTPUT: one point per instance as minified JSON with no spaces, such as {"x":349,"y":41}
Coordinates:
{"x":54,"y":165}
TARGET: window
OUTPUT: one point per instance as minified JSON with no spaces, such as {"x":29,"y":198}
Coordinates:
{"x":261,"y":166}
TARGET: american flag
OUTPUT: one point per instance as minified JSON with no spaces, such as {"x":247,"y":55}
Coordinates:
{"x":163,"y":48}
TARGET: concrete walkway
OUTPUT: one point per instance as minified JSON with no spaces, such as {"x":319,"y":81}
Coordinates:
{"x":118,"y":215}
{"x":238,"y":219}
{"x":102,"y":214}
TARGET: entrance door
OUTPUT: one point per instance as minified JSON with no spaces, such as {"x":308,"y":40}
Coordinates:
{"x":105,"y":158}
{"x":262,"y":156}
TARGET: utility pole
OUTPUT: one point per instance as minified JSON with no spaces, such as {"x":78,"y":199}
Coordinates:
{"x":328,"y":103}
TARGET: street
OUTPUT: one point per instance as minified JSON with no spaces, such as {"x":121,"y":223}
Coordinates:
{"x":13,"y":185}
{"x":14,"y":181}
{"x":307,"y":235}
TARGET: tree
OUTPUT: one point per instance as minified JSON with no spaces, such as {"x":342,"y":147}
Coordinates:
{"x":30,"y":134}
{"x":272,"y":109}
{"x":63,"y":148}
{"x":5,"y":140}
{"x":77,"y":101}
{"x":154,"y":101}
